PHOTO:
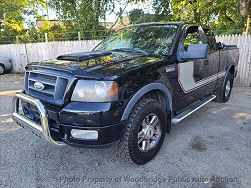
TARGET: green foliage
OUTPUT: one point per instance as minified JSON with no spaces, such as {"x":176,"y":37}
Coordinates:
{"x":222,"y":15}
{"x":12,"y":16}
{"x":83,"y":14}
{"x":138,"y":16}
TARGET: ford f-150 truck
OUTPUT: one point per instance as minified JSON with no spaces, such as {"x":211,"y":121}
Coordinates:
{"x":130,"y":89}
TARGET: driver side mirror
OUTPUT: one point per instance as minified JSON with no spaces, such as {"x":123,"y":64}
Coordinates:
{"x":194,"y":51}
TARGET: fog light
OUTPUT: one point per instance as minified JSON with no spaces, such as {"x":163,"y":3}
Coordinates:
{"x":84,"y":134}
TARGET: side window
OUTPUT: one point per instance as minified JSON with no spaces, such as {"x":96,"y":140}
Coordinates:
{"x":192,"y":37}
{"x":211,"y":40}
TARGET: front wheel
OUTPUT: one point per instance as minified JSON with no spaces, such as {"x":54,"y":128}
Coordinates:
{"x":223,"y":93}
{"x":145,"y":132}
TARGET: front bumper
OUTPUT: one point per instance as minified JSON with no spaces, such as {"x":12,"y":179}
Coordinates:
{"x":42,"y":129}
{"x":107,"y":134}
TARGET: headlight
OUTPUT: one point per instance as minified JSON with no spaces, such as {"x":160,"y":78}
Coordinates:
{"x":95,"y":91}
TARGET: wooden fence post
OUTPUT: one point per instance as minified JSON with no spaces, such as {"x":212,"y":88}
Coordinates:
{"x":46,"y":37}
{"x":248,"y":24}
{"x":79,"y":36}
{"x":17,"y":39}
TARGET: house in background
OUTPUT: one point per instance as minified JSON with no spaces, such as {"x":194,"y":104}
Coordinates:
{"x":120,"y":24}
{"x":124,"y":21}
{"x":42,"y":23}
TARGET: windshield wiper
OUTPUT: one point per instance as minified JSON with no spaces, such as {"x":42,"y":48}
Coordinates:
{"x":135,"y":50}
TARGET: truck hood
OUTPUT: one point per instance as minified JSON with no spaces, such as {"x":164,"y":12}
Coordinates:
{"x":97,"y":65}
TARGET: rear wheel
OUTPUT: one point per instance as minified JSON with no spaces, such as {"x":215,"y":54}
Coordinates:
{"x":223,"y":93}
{"x":2,"y":69}
{"x":144,"y":132}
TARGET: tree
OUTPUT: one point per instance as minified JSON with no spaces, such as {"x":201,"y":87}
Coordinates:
{"x":224,"y":16}
{"x":12,"y":15}
{"x":136,"y":15}
{"x":244,"y":7}
{"x":84,"y":14}
{"x":162,"y":9}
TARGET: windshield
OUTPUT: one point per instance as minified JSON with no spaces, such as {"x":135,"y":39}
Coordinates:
{"x":150,"y":39}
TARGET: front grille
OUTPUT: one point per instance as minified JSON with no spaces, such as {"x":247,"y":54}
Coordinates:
{"x":54,"y":86}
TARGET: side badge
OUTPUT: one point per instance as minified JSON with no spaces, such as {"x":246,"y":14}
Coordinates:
{"x":170,"y":69}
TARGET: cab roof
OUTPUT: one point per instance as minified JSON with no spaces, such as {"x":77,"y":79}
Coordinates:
{"x":179,"y":23}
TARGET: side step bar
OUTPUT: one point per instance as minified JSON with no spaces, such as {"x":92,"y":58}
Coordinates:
{"x":188,"y":112}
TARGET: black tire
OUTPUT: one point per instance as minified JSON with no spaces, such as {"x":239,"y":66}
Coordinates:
{"x":129,"y":148}
{"x":222,"y":95}
{"x":2,"y":69}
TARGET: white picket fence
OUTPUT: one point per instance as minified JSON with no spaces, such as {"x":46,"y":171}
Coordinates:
{"x":22,"y":54}
{"x":244,"y":67}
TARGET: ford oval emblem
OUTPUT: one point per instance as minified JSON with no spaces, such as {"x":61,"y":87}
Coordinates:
{"x":38,"y":86}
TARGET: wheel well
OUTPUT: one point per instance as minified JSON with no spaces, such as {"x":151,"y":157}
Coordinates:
{"x":157,"y":95}
{"x":156,"y":91}
{"x":2,"y":65}
{"x":160,"y":93}
{"x":232,"y":69}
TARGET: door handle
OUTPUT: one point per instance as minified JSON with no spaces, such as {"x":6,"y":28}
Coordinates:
{"x":206,"y":62}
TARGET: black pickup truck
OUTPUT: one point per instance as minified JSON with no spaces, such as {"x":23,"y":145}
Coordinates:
{"x":129,"y":90}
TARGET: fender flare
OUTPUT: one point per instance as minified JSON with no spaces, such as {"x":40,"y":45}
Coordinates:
{"x":143,"y":91}
{"x":2,"y":65}
{"x":227,"y":71}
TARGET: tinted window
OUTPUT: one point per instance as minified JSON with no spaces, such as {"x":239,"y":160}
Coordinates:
{"x":192,"y":37}
{"x":210,"y":39}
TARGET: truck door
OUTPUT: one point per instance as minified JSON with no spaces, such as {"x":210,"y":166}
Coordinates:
{"x":213,"y":61}
{"x":196,"y":77}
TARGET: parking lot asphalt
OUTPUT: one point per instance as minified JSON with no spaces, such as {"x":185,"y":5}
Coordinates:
{"x":211,"y":148}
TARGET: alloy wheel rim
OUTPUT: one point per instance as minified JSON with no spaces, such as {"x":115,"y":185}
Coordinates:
{"x":149,"y":133}
{"x":228,"y":88}
{"x":1,"y":70}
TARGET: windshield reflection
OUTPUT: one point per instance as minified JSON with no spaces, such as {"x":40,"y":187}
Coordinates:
{"x":149,"y":39}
